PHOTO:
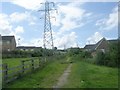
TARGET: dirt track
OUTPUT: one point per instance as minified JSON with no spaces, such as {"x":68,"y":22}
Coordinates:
{"x":63,"y":79}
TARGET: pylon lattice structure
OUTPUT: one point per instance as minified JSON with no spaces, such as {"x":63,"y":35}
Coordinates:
{"x":48,"y":38}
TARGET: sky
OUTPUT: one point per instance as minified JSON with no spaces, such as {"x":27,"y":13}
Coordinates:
{"x":75,"y":24}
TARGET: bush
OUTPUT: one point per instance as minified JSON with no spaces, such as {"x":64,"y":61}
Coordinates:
{"x":85,"y":54}
{"x":73,"y":51}
{"x":100,"y":58}
{"x":110,"y":58}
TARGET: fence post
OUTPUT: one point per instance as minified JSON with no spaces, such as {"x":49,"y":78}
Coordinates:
{"x":32,"y":63}
{"x":5,"y":73}
{"x":39,"y":62}
{"x":42,"y":62}
{"x":23,"y":68}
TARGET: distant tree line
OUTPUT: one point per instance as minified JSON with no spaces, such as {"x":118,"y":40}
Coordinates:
{"x":78,"y":51}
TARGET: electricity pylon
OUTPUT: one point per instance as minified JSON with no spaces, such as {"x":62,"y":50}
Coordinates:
{"x":48,"y":37}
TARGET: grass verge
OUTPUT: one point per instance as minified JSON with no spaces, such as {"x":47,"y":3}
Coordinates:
{"x":86,"y":75}
{"x":44,"y":78}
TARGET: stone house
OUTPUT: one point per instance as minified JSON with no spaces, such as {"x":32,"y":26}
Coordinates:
{"x":8,"y":43}
{"x":102,"y":45}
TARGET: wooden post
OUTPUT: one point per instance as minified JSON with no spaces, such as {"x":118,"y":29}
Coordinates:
{"x":32,"y":63}
{"x":23,"y":68}
{"x":5,"y":73}
{"x":42,"y":62}
{"x":39,"y":62}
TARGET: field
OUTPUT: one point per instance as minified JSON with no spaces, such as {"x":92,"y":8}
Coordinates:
{"x":83,"y":75}
{"x":12,"y":62}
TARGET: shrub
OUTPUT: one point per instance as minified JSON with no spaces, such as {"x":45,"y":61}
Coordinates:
{"x":110,"y":58}
{"x":73,"y":51}
{"x":85,"y":54}
{"x":100,"y":58}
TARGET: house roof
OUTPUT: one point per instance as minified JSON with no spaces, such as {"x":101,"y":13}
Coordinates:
{"x":7,"y":37}
{"x":113,"y":41}
{"x":91,"y":46}
{"x":95,"y":46}
{"x":99,"y":42}
{"x":28,"y":47}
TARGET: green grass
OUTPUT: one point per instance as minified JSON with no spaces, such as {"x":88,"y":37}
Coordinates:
{"x":83,"y":75}
{"x":14,"y":61}
{"x":44,"y":78}
{"x":86,"y":75}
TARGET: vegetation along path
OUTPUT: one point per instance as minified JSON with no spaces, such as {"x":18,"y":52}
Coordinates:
{"x":63,"y":79}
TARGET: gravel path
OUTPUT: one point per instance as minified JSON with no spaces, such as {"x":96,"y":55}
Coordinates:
{"x":63,"y":79}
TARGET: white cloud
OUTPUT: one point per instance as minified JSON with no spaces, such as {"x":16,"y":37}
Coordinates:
{"x":7,"y":21}
{"x":71,"y":10}
{"x":28,"y":4}
{"x":32,"y":23}
{"x":33,"y":42}
{"x":110,"y":22}
{"x":72,"y":13}
{"x":69,"y":17}
{"x":94,"y":38}
{"x":67,"y":40}
{"x":5,"y":26}
{"x":88,"y":14}
{"x":17,"y":17}
{"x":19,"y":29}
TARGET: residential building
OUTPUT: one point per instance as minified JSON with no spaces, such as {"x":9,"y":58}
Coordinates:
{"x":28,"y":48}
{"x":8,"y":43}
{"x":102,"y":45}
{"x":89,"y":47}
